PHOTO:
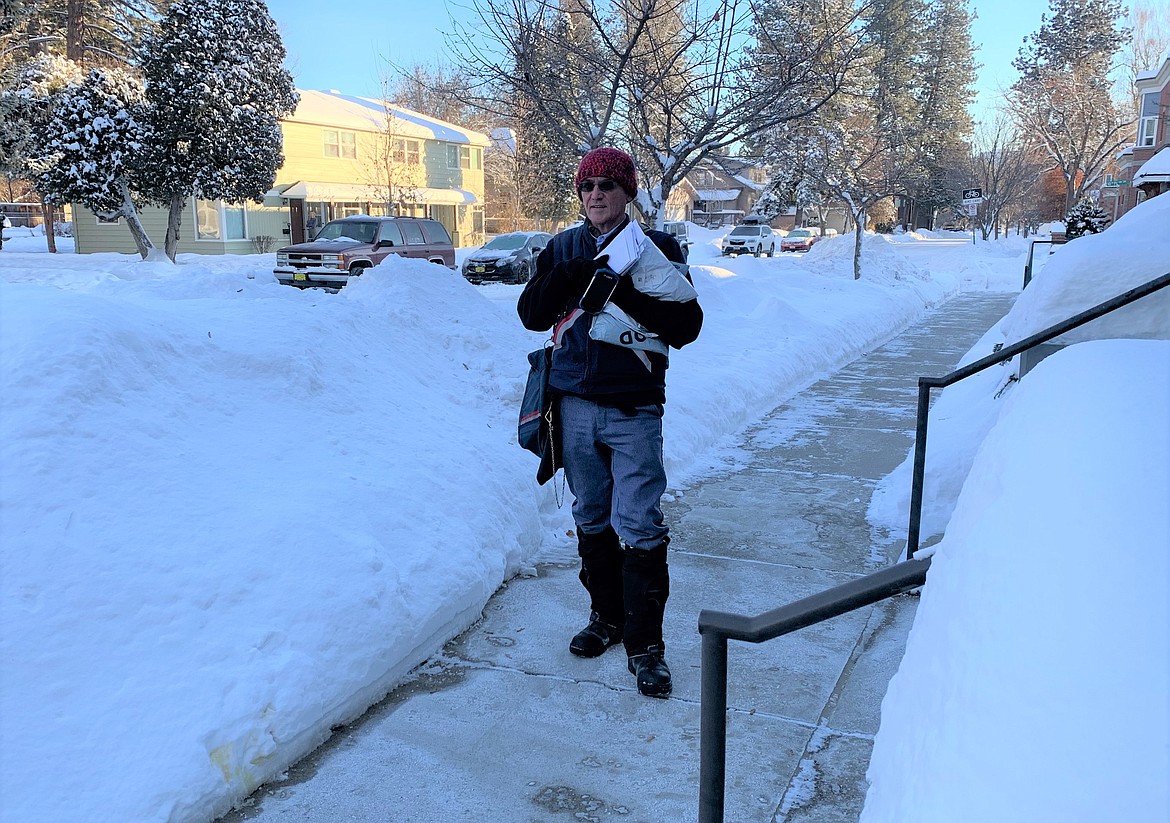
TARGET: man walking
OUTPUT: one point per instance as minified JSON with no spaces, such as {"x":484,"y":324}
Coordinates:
{"x":609,"y":401}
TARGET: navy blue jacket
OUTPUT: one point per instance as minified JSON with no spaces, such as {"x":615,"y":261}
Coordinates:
{"x":602,"y":372}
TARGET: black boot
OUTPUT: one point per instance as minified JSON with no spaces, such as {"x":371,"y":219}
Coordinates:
{"x":650,"y":669}
{"x":595,"y":638}
{"x":646,"y":587}
{"x":601,"y":575}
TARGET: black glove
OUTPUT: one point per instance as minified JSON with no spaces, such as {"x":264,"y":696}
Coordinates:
{"x":577,"y":273}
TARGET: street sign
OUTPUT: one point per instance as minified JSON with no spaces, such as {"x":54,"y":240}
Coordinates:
{"x":972,"y":196}
{"x":972,"y":209}
{"x":1110,"y":183}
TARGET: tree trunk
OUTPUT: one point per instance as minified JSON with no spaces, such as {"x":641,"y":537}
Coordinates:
{"x":174,"y":222}
{"x":134,"y":223}
{"x":859,"y":222}
{"x":50,"y":220}
{"x":75,"y":30}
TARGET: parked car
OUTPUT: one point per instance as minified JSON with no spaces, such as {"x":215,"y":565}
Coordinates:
{"x":678,"y":230}
{"x":799,"y":240}
{"x":755,"y":238}
{"x":509,"y":257}
{"x":344,"y":248}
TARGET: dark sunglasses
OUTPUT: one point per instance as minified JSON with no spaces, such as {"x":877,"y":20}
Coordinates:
{"x":587,"y":186}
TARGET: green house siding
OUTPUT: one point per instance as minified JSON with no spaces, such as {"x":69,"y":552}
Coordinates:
{"x":94,"y":237}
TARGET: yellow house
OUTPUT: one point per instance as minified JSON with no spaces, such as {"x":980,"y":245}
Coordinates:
{"x":343,"y":155}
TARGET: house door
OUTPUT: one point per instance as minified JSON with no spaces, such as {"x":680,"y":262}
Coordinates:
{"x":296,"y":217}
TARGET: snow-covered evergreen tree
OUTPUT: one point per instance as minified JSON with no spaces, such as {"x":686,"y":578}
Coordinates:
{"x":216,"y":91}
{"x":1086,"y":217}
{"x":27,"y":103}
{"x":86,"y":146}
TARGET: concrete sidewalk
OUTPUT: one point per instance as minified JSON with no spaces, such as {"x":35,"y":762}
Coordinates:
{"x":508,"y":727}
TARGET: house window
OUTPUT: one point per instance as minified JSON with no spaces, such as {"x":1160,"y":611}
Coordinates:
{"x":216,"y":221}
{"x":207,"y":226}
{"x":342,"y":144}
{"x":463,"y":157}
{"x":234,"y":223}
{"x":407,"y":151}
{"x":1148,"y":127}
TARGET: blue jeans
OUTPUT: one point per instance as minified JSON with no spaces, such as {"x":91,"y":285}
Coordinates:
{"x":613,"y":463}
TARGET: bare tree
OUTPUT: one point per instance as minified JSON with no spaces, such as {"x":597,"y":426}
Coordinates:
{"x":503,"y":178}
{"x":1148,"y":44}
{"x":436,"y":91}
{"x":1071,"y":116}
{"x":1008,"y":170}
{"x":1063,"y":98}
{"x":394,"y":169}
{"x":527,"y":184}
{"x":860,"y":167}
{"x":666,"y":79}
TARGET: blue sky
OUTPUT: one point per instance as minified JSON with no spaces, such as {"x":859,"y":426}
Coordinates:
{"x":346,"y":47}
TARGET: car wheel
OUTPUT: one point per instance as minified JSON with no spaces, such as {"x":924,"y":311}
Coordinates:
{"x":772,"y":251}
{"x":522,"y":274}
{"x":756,"y":252}
{"x":358,"y":269}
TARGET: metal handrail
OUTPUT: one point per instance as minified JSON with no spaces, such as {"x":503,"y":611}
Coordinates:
{"x":1031,"y":251}
{"x":925,"y":384}
{"x":716,"y":627}
{"x":719,"y":627}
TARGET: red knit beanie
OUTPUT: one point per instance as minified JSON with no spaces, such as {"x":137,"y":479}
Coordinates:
{"x":612,"y":163}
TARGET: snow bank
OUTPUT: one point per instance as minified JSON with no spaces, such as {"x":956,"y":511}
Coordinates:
{"x":235,"y":513}
{"x":1095,"y":267}
{"x":1034,"y":681}
{"x":212,"y":497}
{"x":1136,"y":249}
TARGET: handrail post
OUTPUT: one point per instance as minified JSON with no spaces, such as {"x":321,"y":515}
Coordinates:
{"x":919,"y":477}
{"x":712,"y":727}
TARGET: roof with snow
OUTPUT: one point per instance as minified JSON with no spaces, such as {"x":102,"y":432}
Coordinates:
{"x":332,"y":108}
{"x":751,"y":184}
{"x":717,"y":194}
{"x":1154,"y":170}
{"x":1152,"y":74}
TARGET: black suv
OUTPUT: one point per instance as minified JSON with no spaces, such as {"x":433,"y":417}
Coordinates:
{"x":345,"y":248}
